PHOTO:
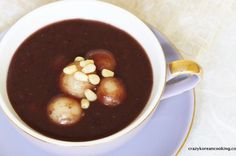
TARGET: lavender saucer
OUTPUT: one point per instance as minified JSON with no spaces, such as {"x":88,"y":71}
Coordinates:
{"x":164,"y":134}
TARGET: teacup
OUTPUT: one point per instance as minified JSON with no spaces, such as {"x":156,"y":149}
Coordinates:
{"x":120,"y":18}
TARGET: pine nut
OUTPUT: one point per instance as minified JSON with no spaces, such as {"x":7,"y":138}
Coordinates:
{"x":70,"y":69}
{"x":86,"y":62}
{"x":79,"y":58}
{"x":94,"y":79}
{"x":85,"y":104}
{"x":90,"y":68}
{"x":90,"y":95}
{"x":107,"y":73}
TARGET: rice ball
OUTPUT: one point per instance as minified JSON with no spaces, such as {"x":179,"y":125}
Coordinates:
{"x":64,"y":110}
{"x":111,"y":92}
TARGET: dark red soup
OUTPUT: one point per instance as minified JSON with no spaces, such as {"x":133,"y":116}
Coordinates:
{"x":35,"y":70}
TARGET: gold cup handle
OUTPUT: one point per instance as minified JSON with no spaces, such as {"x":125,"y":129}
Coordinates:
{"x":182,"y":75}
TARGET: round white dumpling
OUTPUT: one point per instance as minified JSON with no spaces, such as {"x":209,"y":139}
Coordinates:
{"x":103,"y":59}
{"x":74,"y":87}
{"x":111,"y":92}
{"x":64,"y":110}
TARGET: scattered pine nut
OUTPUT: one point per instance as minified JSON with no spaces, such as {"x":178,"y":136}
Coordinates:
{"x":70,"y":69}
{"x":107,"y":73}
{"x":90,"y":68}
{"x":85,"y":104}
{"x":79,"y":58}
{"x":94,"y":79}
{"x":90,"y":95}
{"x":86,"y":62}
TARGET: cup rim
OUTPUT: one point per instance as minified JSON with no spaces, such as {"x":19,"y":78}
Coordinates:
{"x":131,"y":127}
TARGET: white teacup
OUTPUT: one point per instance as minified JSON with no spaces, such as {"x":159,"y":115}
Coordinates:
{"x":122,"y":19}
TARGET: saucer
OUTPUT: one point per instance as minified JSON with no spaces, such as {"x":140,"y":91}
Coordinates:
{"x":164,"y":135}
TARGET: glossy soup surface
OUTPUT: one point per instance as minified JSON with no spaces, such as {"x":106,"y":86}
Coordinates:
{"x":37,"y":64}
